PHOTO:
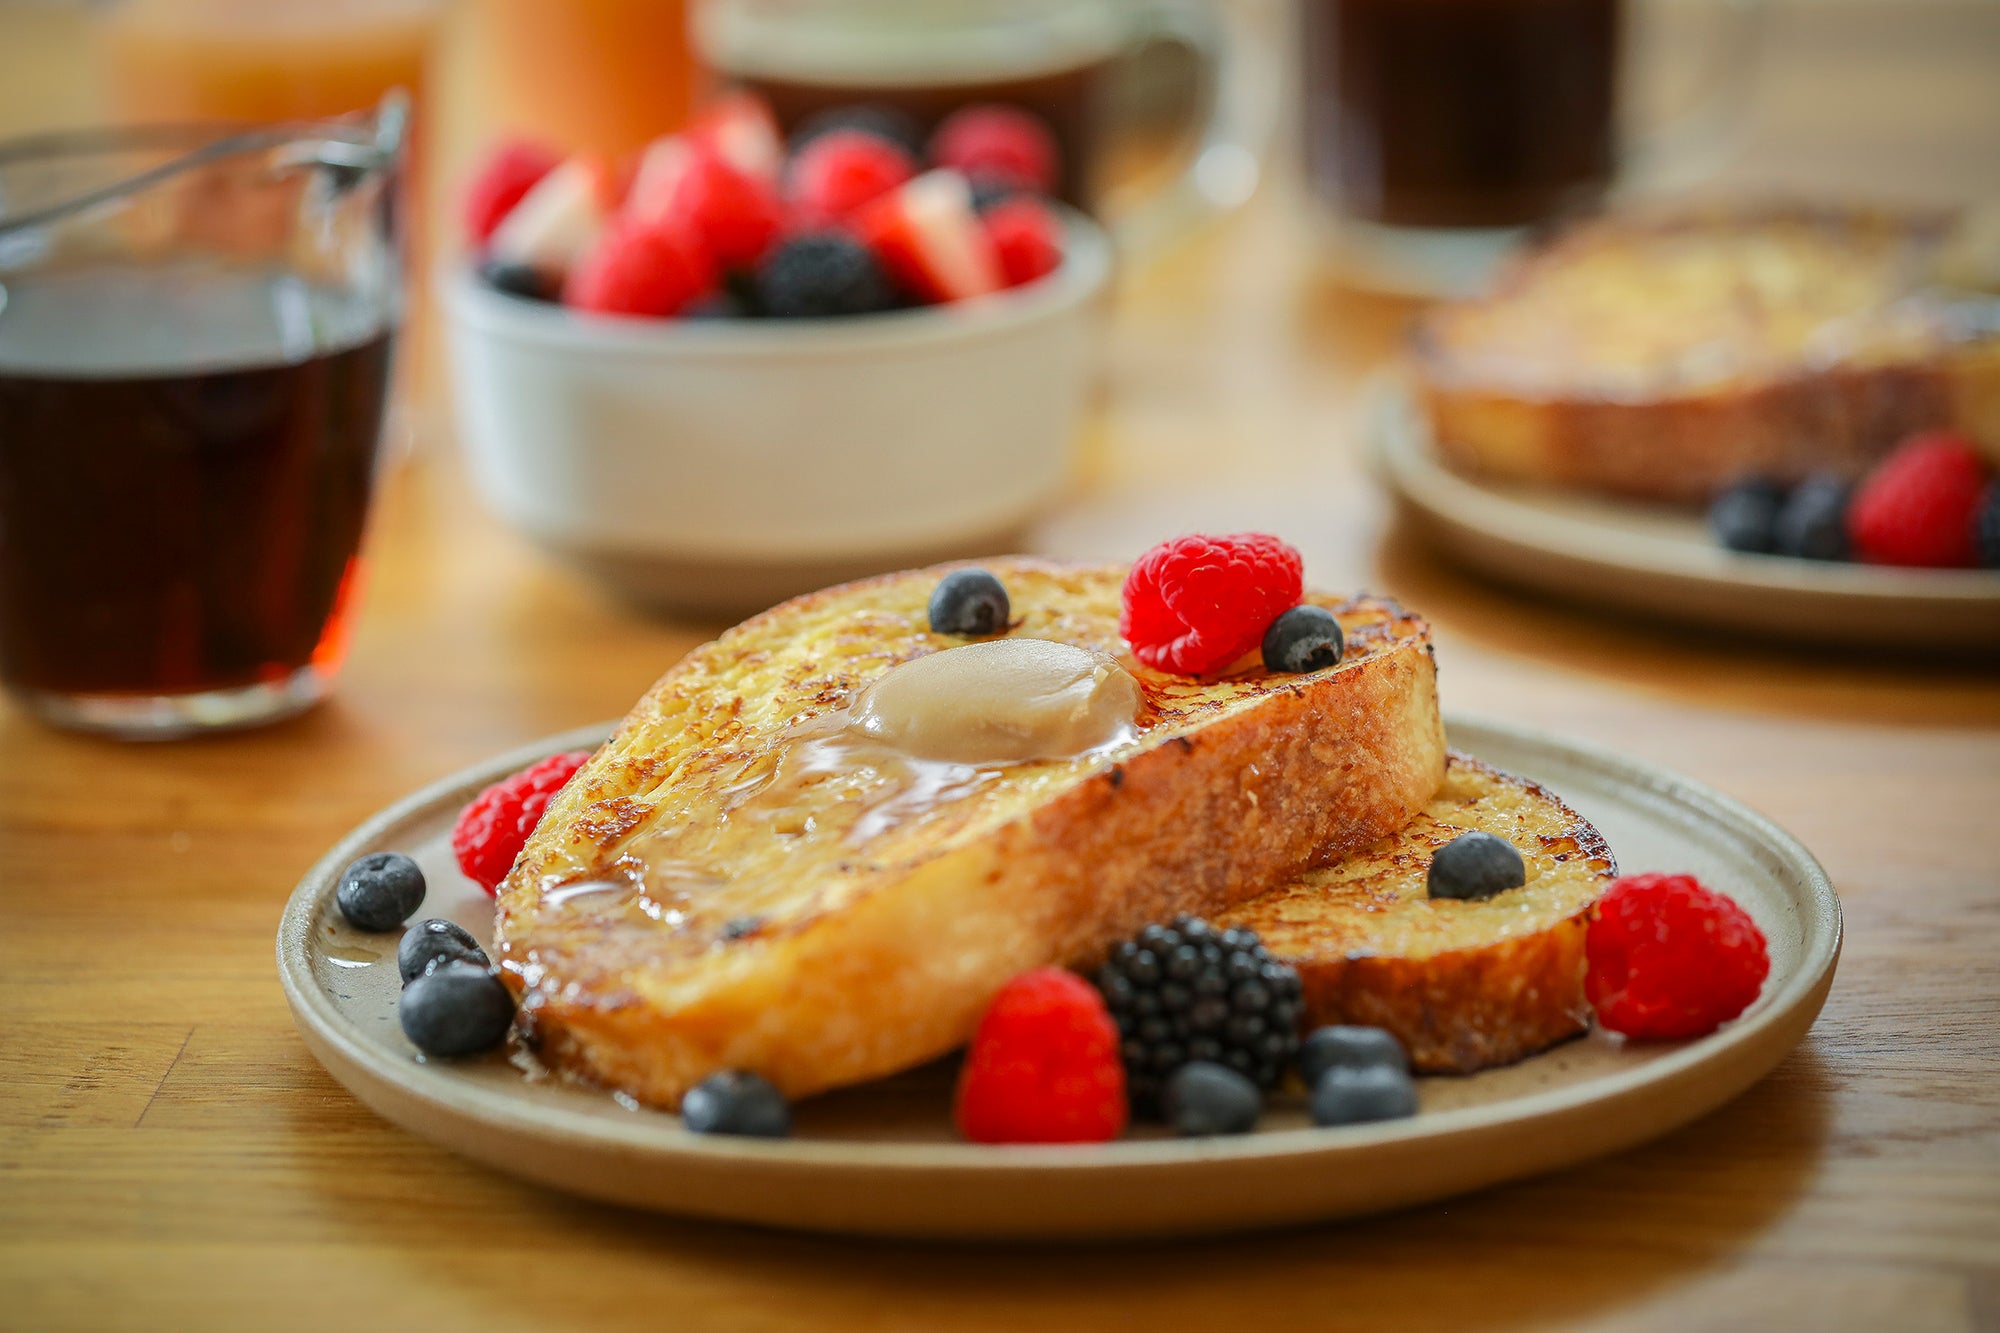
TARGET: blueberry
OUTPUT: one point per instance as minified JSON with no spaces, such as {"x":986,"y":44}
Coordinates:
{"x":522,"y":280}
{"x":822,"y":274}
{"x":1205,"y":1098}
{"x":1813,"y":522}
{"x":1343,"y":1047}
{"x":1305,"y":638}
{"x":1475,"y":865}
{"x":379,"y":891}
{"x":1986,"y":527}
{"x":1350,"y":1096}
{"x":734,"y":1102}
{"x":1745,"y":517}
{"x":969,"y":602}
{"x":433,"y":941}
{"x":456,"y":1008}
{"x":876,"y":118}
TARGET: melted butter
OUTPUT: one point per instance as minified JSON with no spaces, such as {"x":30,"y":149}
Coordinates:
{"x":1006,"y":701}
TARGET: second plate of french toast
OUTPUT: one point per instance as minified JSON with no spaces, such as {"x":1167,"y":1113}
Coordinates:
{"x":1040,"y":899}
{"x":1778,"y":420}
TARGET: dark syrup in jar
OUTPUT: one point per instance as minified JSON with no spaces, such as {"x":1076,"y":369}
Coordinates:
{"x":186,"y":456}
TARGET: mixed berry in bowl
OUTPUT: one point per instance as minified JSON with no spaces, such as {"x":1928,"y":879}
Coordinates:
{"x":726,"y":220}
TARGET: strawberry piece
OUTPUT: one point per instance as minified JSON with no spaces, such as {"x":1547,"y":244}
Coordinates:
{"x":1920,"y":505}
{"x":559,"y":217}
{"x":1669,"y":960}
{"x":736,"y":216}
{"x":661,"y":166}
{"x":994,"y":141}
{"x":739,"y":127}
{"x":1027,"y":238}
{"x":508,"y":173}
{"x":492,"y":830}
{"x":1044,"y":1066}
{"x":638,"y":268}
{"x":840,"y":171}
{"x":930,"y":240}
{"x":1195,"y":604}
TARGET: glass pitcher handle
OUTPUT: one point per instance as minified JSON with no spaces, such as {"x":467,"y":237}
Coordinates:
{"x":1236,"y":111}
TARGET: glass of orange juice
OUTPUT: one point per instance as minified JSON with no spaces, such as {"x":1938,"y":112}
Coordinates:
{"x":261,"y":60}
{"x":598,"y":76}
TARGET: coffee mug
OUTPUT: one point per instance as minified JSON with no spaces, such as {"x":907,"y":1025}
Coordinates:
{"x":1438,"y":131}
{"x":1060,"y":59}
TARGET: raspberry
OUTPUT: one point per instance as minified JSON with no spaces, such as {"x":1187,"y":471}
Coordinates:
{"x":510,"y":171}
{"x":840,"y":171}
{"x":1919,"y":505}
{"x":1195,"y":604}
{"x":993,"y":141}
{"x":1026,"y":237}
{"x":736,"y":216}
{"x":492,"y":830}
{"x":1043,"y":1067}
{"x":1670,"y":960}
{"x":640,"y":268}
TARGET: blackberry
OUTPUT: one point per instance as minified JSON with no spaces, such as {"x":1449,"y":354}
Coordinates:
{"x":1187,"y":992}
{"x":822,"y":274}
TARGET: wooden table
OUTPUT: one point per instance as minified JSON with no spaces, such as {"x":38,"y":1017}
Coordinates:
{"x":170,"y":1156}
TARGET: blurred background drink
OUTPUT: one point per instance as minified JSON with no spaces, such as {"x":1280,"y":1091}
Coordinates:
{"x":260,"y":60}
{"x":603,"y":76}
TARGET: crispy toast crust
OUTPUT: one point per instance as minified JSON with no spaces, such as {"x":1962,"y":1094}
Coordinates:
{"x":1666,"y":357}
{"x":1464,"y":985}
{"x":656,"y":933}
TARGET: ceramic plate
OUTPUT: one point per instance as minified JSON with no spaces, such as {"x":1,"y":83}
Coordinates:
{"x":1660,"y":562}
{"x":881,"y":1159}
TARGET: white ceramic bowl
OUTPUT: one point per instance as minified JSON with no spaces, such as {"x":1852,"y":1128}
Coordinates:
{"x":718,"y":466}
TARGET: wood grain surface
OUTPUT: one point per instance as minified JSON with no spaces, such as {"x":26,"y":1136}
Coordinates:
{"x":171,"y":1158}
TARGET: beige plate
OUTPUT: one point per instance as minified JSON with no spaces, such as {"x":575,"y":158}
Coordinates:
{"x":1660,"y":562}
{"x":881,"y":1159}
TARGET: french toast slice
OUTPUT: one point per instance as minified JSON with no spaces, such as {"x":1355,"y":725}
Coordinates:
{"x":1464,"y":985}
{"x":1663,"y":357}
{"x":693,"y":901}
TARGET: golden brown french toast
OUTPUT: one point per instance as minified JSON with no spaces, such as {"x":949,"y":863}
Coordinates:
{"x":1665,"y":357}
{"x":1465,"y":985}
{"x":719,"y":889}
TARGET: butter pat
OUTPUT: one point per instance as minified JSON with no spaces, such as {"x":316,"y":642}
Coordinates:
{"x":1002,"y":701}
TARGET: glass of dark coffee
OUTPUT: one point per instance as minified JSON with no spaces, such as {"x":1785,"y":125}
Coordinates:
{"x":1437,"y":130}
{"x":194,"y":355}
